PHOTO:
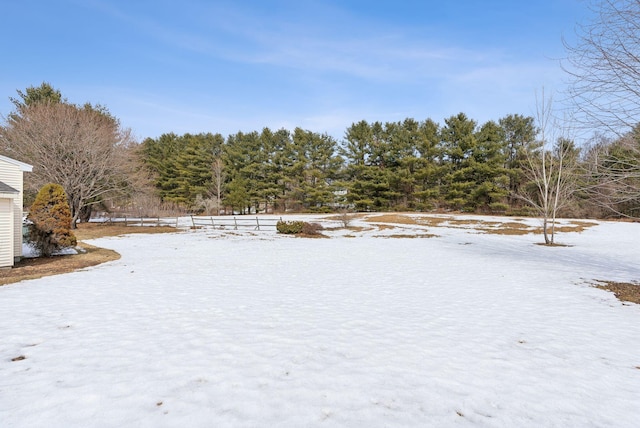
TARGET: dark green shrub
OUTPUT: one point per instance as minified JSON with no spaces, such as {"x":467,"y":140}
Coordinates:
{"x":50,"y":217}
{"x":498,"y":207}
{"x":322,"y":210}
{"x":524,"y":211}
{"x":298,"y":228}
{"x":290,"y":227}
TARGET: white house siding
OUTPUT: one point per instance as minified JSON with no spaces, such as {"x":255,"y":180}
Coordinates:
{"x":6,"y":232}
{"x":11,"y":172}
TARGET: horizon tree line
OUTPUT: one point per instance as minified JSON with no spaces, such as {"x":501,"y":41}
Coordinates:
{"x":505,"y":167}
{"x":408,"y":165}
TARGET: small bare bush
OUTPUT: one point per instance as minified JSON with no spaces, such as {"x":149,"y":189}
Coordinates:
{"x":345,"y":217}
{"x":311,"y":228}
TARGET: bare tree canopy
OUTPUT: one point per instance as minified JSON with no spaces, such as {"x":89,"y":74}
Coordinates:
{"x":613,"y":172}
{"x":81,"y":148}
{"x":604,"y":65}
{"x":549,"y":170}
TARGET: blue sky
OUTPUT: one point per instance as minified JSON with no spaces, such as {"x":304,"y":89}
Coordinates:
{"x":226,"y":66}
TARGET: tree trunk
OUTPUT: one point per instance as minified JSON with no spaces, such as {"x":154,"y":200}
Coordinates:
{"x":545,"y":222}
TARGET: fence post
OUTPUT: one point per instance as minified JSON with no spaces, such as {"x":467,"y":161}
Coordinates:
{"x":257,"y":223}
{"x":212,"y":224}
{"x":125,"y":220}
{"x":177,"y":221}
{"x":141,"y":221}
{"x":193,"y":222}
{"x":235,"y":222}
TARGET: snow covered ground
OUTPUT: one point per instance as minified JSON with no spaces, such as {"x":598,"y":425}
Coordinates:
{"x":212,"y":328}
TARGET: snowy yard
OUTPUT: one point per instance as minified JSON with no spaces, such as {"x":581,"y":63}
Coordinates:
{"x":208,"y":328}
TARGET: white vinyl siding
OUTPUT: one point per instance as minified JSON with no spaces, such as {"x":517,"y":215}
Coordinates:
{"x":6,"y":232}
{"x":11,"y":174}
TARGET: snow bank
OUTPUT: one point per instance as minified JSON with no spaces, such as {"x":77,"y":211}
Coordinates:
{"x":211,"y":328}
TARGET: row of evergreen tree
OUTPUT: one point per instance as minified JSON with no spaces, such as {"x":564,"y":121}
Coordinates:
{"x":405,"y":165}
{"x":500,"y":166}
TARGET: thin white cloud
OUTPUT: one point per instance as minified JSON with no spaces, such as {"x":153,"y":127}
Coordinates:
{"x":345,"y":69}
{"x":361,"y":51}
{"x":379,"y":57}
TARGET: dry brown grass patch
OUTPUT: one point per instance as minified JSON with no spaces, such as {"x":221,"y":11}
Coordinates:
{"x":310,"y":235}
{"x":99,"y":230}
{"x":392,"y":218}
{"x":33,"y":268}
{"x":406,"y":236}
{"x":359,"y":228}
{"x":467,"y":222}
{"x":45,"y":266}
{"x":352,"y":216}
{"x":433,"y":221}
{"x":575,"y":226}
{"x":624,"y":291}
{"x":408,"y":220}
{"x":506,"y":231}
{"x":555,"y":244}
{"x":385,"y":227}
{"x":516,"y":227}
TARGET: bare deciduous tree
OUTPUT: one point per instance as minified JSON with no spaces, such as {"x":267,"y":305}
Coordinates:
{"x":345,"y":216}
{"x":219,"y":176}
{"x":81,"y":148}
{"x":613,"y":175}
{"x":604,"y":65}
{"x":548,"y":171}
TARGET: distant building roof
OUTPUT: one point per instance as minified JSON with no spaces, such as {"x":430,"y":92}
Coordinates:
{"x":5,"y":188}
{"x":25,"y":167}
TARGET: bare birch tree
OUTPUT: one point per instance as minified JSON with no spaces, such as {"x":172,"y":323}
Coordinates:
{"x":81,"y":148}
{"x":219,"y":176}
{"x":548,"y":171}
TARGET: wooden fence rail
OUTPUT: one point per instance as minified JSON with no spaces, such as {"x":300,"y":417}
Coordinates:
{"x":216,"y":222}
{"x":139,"y":220}
{"x":235,"y":223}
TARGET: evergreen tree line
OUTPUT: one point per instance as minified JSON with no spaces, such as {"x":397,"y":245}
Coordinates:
{"x":516,"y":165}
{"x":393,"y":166}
